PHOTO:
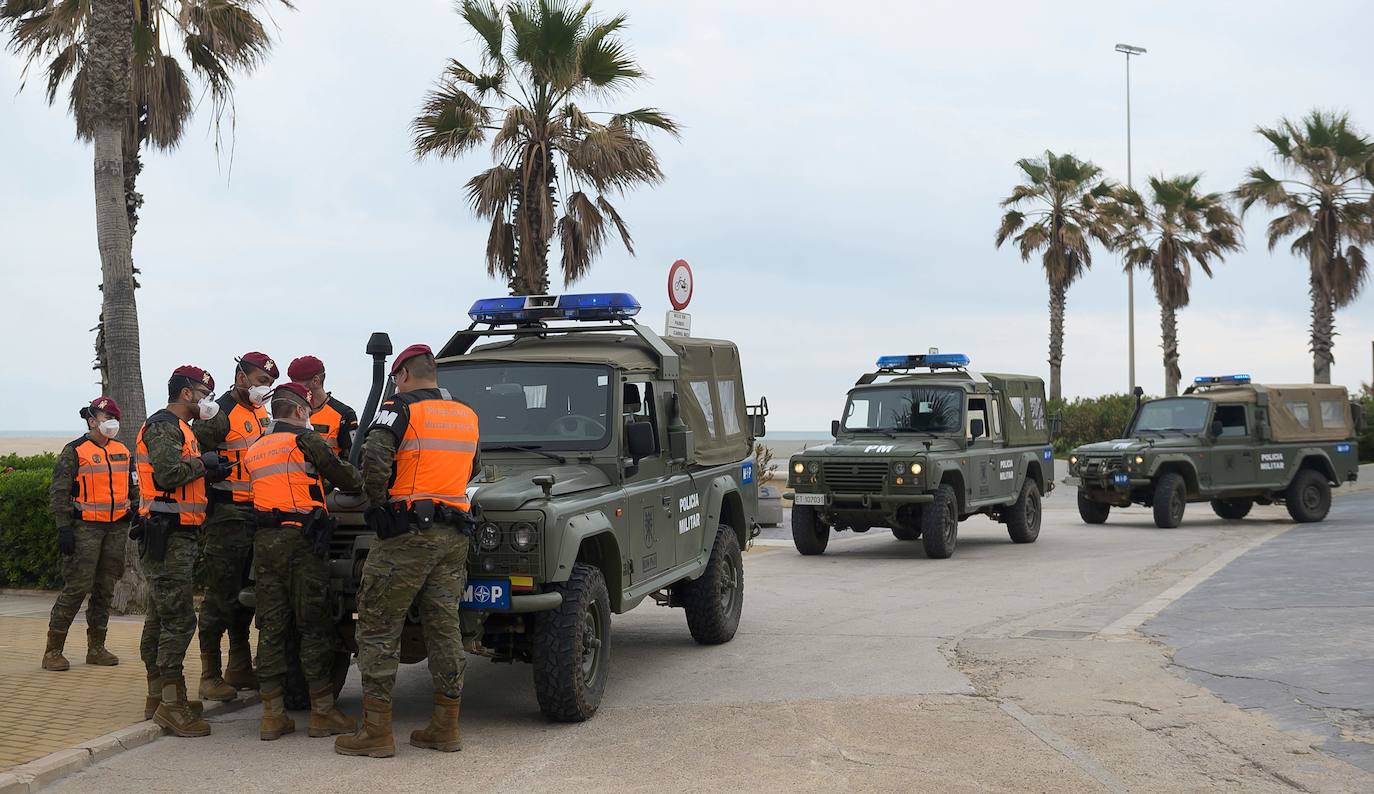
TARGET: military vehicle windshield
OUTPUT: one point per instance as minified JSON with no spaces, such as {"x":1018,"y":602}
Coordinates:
{"x":1175,"y":414}
{"x":535,"y":406}
{"x":905,"y":409}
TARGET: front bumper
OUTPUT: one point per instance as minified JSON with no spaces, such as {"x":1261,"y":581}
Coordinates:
{"x":1106,"y":483}
{"x":534,"y":602}
{"x":870,"y":501}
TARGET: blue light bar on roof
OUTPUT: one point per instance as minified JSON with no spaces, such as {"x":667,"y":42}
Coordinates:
{"x":932,"y":360}
{"x":1217,"y":379}
{"x":532,"y":308}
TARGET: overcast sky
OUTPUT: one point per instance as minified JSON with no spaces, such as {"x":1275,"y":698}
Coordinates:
{"x":835,"y":191}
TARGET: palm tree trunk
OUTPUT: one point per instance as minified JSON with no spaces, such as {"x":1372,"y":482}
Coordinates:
{"x":1058,"y":297}
{"x":133,"y":201}
{"x":1168,"y":334}
{"x":1323,"y":332}
{"x":110,"y":51}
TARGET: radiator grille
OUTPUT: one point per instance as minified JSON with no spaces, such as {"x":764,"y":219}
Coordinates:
{"x":855,"y":477}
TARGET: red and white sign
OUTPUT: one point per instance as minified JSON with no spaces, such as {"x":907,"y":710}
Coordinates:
{"x":680,"y":284}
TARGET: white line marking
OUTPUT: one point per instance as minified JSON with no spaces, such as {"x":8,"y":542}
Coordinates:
{"x":1133,"y":619}
{"x":1081,"y":760}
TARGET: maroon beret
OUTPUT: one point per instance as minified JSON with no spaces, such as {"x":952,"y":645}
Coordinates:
{"x":296,"y":389}
{"x":196,"y":374}
{"x":262,"y":361}
{"x":106,"y":404}
{"x":409,"y":353}
{"x":304,"y":368}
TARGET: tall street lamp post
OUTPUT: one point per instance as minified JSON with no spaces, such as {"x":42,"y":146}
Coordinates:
{"x":1128,"y":51}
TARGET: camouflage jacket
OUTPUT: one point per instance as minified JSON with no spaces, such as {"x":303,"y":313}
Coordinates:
{"x":336,"y":472}
{"x":64,"y":485}
{"x":162,"y":436}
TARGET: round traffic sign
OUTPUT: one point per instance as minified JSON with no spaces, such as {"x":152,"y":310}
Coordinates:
{"x":680,"y":284}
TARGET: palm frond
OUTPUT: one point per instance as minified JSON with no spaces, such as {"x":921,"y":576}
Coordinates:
{"x":449,"y":123}
{"x":489,"y":193}
{"x":484,"y":18}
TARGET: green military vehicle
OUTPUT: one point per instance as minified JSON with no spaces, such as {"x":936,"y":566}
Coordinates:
{"x":616,"y":466}
{"x":1229,"y":442}
{"x":921,"y":451}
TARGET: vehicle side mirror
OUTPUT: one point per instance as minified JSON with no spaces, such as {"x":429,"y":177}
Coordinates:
{"x":1357,"y":416}
{"x":639,"y":439}
{"x":1217,"y":427}
{"x":1056,"y":425}
{"x":834,"y":428}
{"x":976,"y":428}
{"x":758,"y":425}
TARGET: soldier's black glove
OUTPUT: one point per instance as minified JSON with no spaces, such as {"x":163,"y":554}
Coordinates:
{"x":379,"y":520}
{"x":217,"y":467}
{"x":66,"y":541}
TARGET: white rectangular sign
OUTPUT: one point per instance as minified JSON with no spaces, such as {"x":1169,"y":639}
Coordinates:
{"x":678,"y":324}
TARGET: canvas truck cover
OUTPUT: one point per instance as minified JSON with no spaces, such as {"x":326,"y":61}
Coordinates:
{"x":1023,"y":411}
{"x":711,"y":399}
{"x":1309,"y":412}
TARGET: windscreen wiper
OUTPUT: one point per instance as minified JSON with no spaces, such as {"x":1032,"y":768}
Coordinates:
{"x":535,"y":450}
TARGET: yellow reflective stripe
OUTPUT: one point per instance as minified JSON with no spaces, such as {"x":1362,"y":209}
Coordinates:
{"x":103,"y":507}
{"x":142,"y":457}
{"x":117,"y":468}
{"x":233,"y":485}
{"x":289,"y":467}
{"x":460,"y":498}
{"x":176,"y":507}
{"x":441,"y":444}
{"x":238,"y":443}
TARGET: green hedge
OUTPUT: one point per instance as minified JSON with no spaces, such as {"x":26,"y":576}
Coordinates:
{"x":1367,"y":437}
{"x":28,"y":543}
{"x":1090,"y":419}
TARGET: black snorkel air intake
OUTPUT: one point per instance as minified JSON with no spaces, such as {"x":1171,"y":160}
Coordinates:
{"x":379,"y":347}
{"x":1139,"y":398}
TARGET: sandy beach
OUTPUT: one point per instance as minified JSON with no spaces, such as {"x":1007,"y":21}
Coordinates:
{"x":34,"y":445}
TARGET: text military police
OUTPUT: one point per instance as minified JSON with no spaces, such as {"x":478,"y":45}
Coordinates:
{"x":172,"y":477}
{"x":417,"y":460}
{"x":288,"y":468}
{"x":240,"y":421}
{"x":92,"y":489}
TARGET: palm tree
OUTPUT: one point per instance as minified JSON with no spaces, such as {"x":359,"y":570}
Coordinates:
{"x":216,"y":38}
{"x":1324,"y":197}
{"x":539,"y":58}
{"x":1057,"y":211}
{"x":1177,"y":227}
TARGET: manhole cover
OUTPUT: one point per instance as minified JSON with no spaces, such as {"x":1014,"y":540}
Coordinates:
{"x":1057,"y":634}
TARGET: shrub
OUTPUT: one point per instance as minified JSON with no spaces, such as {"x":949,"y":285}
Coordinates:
{"x":1367,"y":437}
{"x":1090,"y":419}
{"x":42,"y":462}
{"x":28,"y":543}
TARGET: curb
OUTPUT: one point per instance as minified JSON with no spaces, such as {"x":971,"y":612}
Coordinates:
{"x":51,"y":768}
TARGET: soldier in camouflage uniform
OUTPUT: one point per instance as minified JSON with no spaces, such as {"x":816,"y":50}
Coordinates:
{"x":287,"y":469}
{"x":172,"y":477}
{"x":93,"y":490}
{"x":418,"y":458}
{"x":241,"y":420}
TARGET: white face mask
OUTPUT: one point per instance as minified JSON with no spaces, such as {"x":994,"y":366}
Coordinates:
{"x":209,"y":409}
{"x":257,"y":395}
{"x":109,"y":428}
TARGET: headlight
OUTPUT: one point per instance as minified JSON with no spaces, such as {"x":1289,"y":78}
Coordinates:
{"x":798,"y":467}
{"x":523,"y":537}
{"x":1073,"y":460}
{"x":813,"y":467}
{"x":899,"y":468}
{"x":915,"y":468}
{"x":489,"y":536}
{"x":1139,"y":460}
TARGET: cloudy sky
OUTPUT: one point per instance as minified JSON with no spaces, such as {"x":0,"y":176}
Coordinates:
{"x":835,"y":191}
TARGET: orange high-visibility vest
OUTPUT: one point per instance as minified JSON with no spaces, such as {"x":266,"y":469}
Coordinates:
{"x":187,"y":502}
{"x":434,"y":457}
{"x":247,"y":423}
{"x":327,"y":421}
{"x":282,"y":479}
{"x":102,"y":481}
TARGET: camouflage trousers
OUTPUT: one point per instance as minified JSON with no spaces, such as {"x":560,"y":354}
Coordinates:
{"x":291,"y":582}
{"x":432,"y":565}
{"x":171,"y":620}
{"x":228,"y":553}
{"x":92,"y":570}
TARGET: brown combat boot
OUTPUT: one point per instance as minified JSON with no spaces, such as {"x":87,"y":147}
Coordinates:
{"x":442,"y":732}
{"x":275,"y":723}
{"x":374,"y":738}
{"x":52,"y":655}
{"x":239,"y":673}
{"x":174,"y":713}
{"x":154,"y":698}
{"x":325,"y":717}
{"x":212,"y":685}
{"x":96,"y":653}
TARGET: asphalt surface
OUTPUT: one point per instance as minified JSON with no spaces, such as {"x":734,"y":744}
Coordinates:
{"x":1288,"y":628}
{"x":1006,"y":668}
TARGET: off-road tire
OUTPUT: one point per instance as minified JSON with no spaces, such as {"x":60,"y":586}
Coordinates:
{"x":566,"y":690}
{"x":1232,"y":509}
{"x":906,"y":533}
{"x":1170,"y":500}
{"x":713,"y":601}
{"x":809,"y":534}
{"x":1024,"y":515}
{"x":940,"y":524}
{"x":1308,"y":498}
{"x":1092,"y":512}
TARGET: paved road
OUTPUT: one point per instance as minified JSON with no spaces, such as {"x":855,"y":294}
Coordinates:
{"x":1289,"y":628}
{"x":870,"y":667}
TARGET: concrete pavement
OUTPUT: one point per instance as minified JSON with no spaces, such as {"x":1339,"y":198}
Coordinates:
{"x":870,"y":667}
